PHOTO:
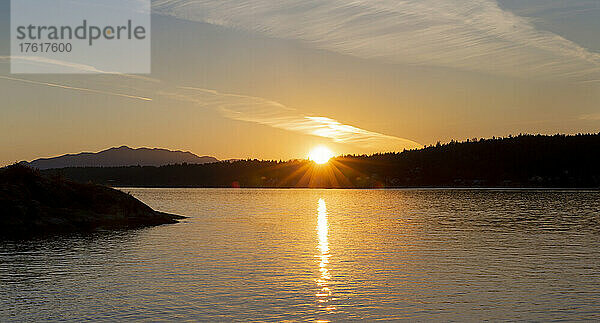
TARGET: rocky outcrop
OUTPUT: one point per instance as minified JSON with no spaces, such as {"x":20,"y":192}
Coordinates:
{"x":32,"y":204}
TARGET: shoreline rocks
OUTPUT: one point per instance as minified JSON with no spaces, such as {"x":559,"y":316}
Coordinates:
{"x":32,"y":205}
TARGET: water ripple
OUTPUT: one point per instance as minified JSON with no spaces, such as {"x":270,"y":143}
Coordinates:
{"x":321,"y":255}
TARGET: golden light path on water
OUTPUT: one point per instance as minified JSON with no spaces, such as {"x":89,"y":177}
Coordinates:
{"x":324,"y":293}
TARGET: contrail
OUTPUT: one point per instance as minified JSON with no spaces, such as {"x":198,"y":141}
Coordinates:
{"x":67,"y":87}
{"x":36,"y":60}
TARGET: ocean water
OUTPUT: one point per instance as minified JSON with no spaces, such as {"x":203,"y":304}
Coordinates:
{"x":321,"y":255}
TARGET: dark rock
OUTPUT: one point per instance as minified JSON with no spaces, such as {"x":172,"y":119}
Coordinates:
{"x":32,"y":204}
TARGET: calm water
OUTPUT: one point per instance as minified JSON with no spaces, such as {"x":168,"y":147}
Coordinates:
{"x":307,"y":255}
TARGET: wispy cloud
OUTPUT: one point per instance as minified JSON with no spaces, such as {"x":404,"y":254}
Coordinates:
{"x":70,"y":66}
{"x":74,"y":88}
{"x":590,"y":117}
{"x":467,"y":34}
{"x":274,"y":114}
{"x":44,"y":61}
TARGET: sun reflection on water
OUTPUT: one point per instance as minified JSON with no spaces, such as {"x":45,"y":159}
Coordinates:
{"x":323,"y":282}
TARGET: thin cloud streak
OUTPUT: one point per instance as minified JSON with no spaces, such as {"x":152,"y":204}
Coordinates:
{"x":75,"y":67}
{"x":590,"y":117}
{"x":44,"y":61}
{"x":276,"y":115}
{"x":67,"y":87}
{"x":465,"y":34}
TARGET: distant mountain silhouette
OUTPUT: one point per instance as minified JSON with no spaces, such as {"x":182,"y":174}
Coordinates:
{"x":122,"y":156}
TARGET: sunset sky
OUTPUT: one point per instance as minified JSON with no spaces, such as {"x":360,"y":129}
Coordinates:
{"x":273,"y":79}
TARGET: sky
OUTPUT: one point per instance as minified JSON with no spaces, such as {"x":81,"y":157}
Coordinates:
{"x":272,"y":79}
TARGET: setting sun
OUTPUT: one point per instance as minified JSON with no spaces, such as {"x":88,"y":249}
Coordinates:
{"x":320,"y":155}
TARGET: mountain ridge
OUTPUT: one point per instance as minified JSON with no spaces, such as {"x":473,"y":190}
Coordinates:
{"x":121,"y":156}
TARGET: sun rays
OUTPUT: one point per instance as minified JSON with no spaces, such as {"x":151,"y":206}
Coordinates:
{"x":334,"y":173}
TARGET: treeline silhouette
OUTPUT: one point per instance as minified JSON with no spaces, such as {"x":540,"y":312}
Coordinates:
{"x":568,"y":161}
